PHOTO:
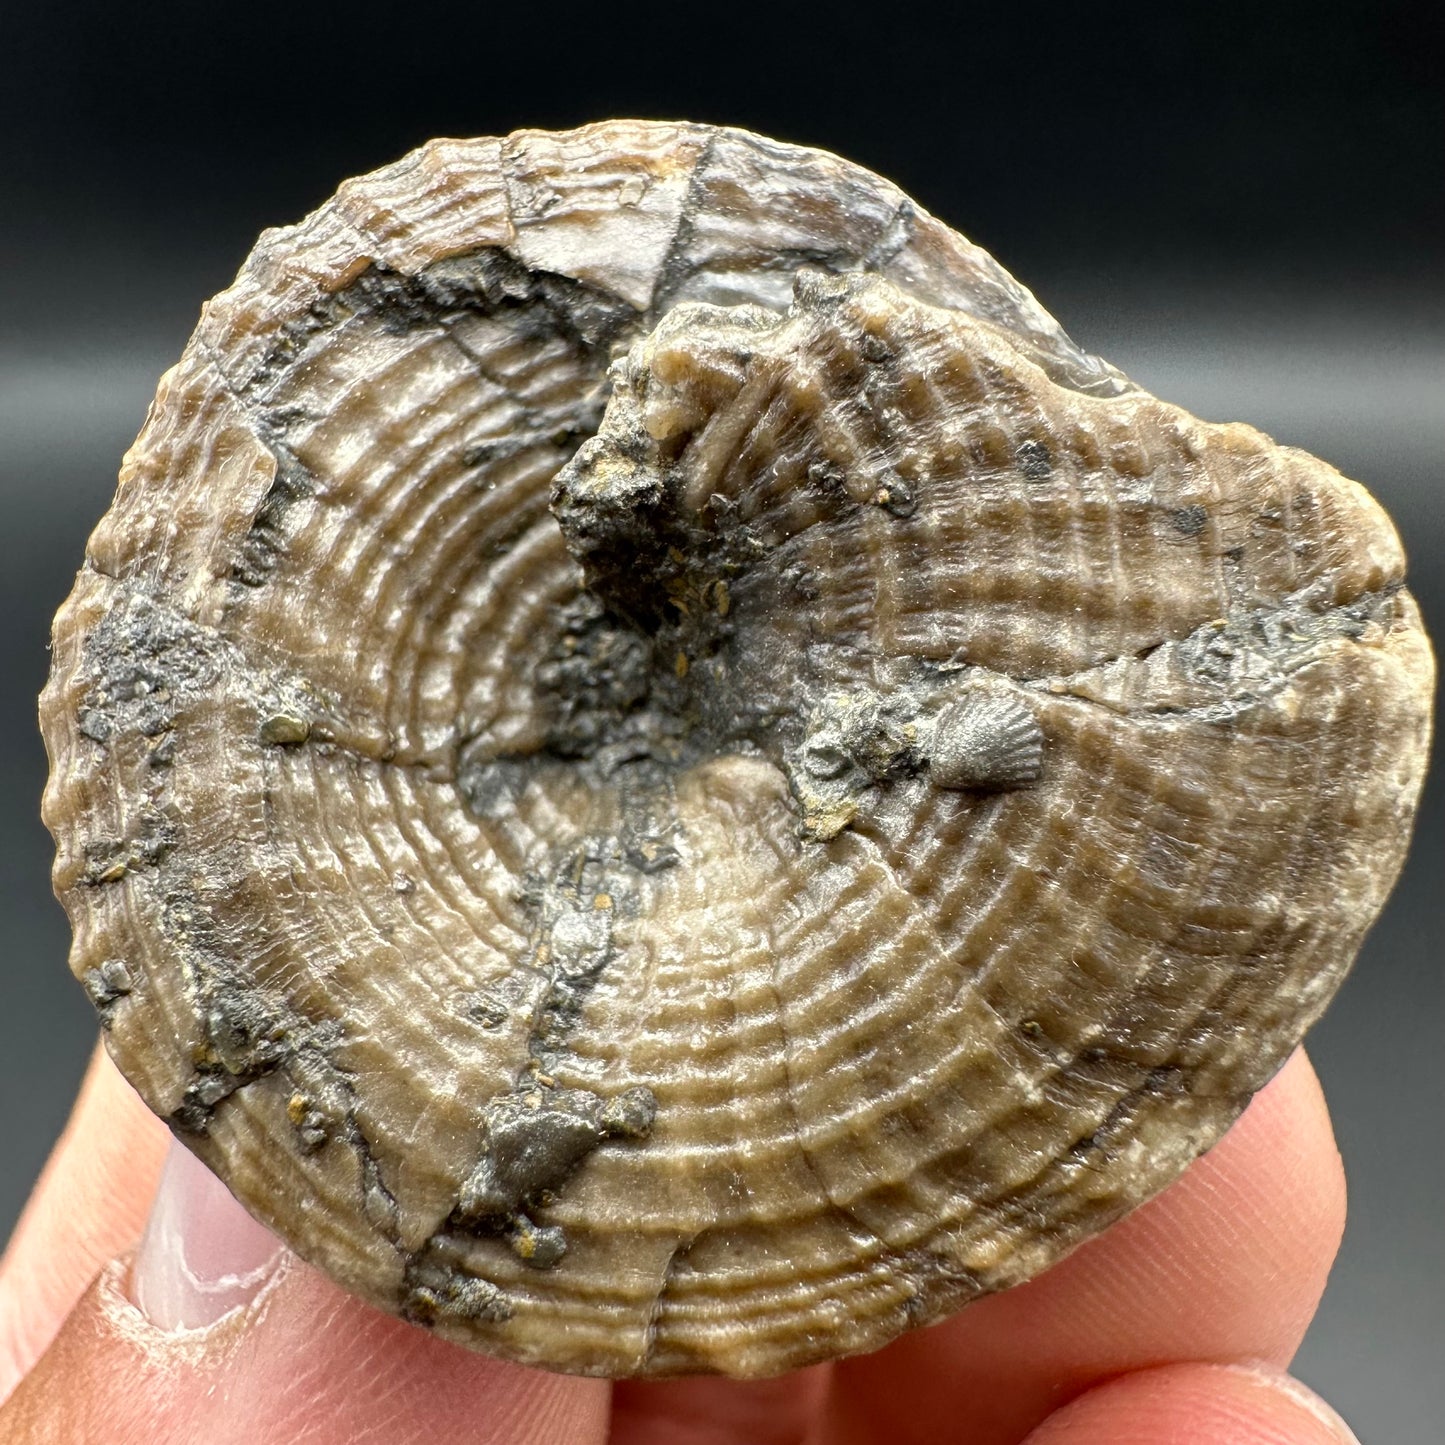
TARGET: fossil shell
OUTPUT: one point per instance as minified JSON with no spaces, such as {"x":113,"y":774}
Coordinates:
{"x":663,"y":776}
{"x":985,"y":741}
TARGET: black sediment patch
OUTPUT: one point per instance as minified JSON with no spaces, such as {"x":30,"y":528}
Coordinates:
{"x":143,"y":664}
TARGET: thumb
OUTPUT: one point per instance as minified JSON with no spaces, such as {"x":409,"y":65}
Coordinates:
{"x":215,"y":1332}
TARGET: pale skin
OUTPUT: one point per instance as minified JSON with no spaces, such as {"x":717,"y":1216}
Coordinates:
{"x":1177,"y":1326}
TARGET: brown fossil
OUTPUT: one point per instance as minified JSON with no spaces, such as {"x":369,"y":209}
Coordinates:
{"x":663,"y":776}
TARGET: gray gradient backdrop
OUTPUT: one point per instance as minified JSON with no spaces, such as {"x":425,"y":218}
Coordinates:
{"x":1317,"y":315}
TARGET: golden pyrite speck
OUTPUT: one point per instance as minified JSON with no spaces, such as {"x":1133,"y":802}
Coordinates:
{"x":663,"y":776}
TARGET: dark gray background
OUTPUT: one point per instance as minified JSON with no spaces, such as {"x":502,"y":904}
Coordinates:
{"x":1238,"y":204}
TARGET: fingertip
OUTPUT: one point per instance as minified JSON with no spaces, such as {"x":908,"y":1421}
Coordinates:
{"x":1230,"y":1263}
{"x":89,"y":1205}
{"x":1197,"y":1404}
{"x":301,"y":1362}
{"x":1227,"y":1265}
{"x":712,"y":1411}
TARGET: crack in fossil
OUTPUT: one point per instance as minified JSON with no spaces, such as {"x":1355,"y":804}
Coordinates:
{"x":679,"y":1252}
{"x":1302,"y":633}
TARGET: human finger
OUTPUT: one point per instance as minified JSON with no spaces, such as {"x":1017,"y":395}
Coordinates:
{"x":89,"y":1205}
{"x":781,"y":1411}
{"x":1197,"y":1404}
{"x":217,"y":1335}
{"x":1226,"y":1265}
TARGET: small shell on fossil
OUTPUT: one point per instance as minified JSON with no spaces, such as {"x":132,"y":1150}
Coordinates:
{"x":986,"y":740}
{"x":663,"y":776}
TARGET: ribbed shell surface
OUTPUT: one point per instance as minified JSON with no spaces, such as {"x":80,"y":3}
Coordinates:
{"x":662,"y":776}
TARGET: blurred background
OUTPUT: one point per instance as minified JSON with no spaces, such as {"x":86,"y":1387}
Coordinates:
{"x":1240,"y":204}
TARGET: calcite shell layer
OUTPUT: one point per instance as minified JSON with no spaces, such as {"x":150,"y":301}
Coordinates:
{"x":663,"y":776}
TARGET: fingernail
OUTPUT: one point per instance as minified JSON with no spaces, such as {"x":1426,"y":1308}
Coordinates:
{"x":201,"y":1255}
{"x":1301,"y":1395}
{"x":1325,"y":1413}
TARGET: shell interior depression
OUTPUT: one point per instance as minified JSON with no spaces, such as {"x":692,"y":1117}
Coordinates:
{"x":663,"y":776}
